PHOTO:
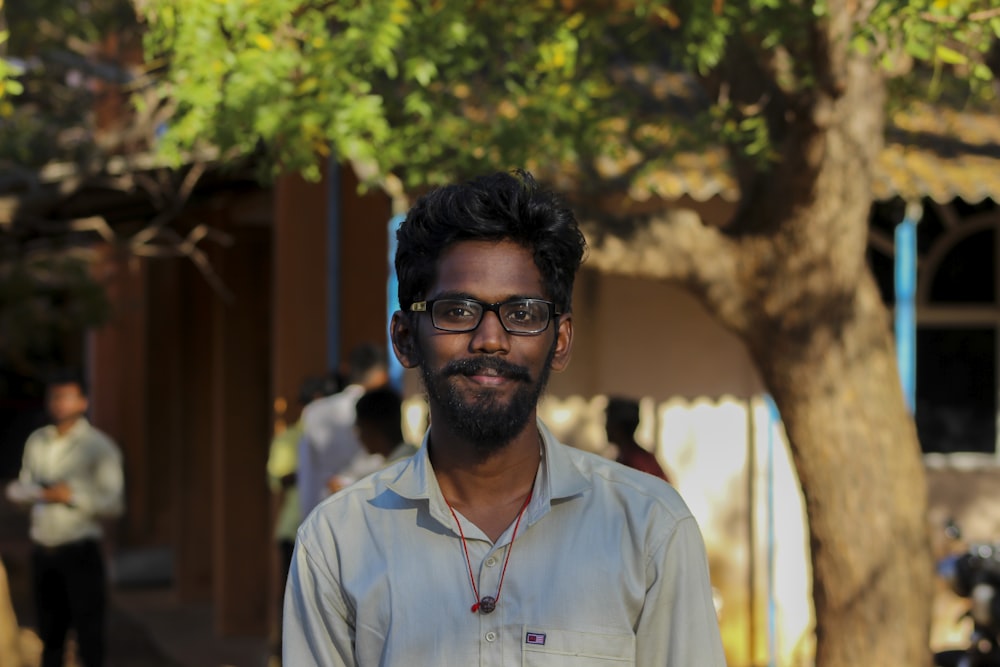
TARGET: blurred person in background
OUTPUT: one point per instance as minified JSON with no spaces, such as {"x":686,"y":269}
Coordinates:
{"x":621,"y":423}
{"x":329,"y":442}
{"x":72,"y":479}
{"x":379,"y":425}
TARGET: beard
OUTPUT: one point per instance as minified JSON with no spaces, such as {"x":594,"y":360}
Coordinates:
{"x":481,"y":418}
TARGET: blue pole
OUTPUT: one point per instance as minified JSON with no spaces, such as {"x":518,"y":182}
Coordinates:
{"x":392,"y":301}
{"x":772,"y":611}
{"x":906,"y":309}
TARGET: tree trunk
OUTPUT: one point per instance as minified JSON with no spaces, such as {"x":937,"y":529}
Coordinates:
{"x":814,"y":321}
{"x":824,"y":347}
{"x":788,"y":275}
{"x":826,"y":354}
{"x":862,"y":476}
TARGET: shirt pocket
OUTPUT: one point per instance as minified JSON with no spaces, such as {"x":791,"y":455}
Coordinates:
{"x":553,"y":647}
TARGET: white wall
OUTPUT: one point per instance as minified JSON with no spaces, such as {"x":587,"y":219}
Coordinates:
{"x":645,"y":338}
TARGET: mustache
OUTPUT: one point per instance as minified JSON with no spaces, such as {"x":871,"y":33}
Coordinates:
{"x":475,"y":366}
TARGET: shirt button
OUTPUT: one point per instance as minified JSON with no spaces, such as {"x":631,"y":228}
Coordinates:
{"x":491,"y":561}
{"x":491,"y":636}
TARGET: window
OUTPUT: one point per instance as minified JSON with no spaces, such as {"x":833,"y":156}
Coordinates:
{"x":956,"y":389}
{"x":958,"y":320}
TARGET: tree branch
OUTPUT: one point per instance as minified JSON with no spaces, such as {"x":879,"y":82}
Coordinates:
{"x":677,"y":247}
{"x":184,"y":191}
{"x":188,"y":247}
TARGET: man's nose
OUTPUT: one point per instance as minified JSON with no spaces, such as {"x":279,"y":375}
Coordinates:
{"x":490,"y":336}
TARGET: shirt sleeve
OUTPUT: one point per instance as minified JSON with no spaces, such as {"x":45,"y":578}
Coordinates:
{"x":678,"y":626}
{"x":104,"y":496}
{"x":316,"y":631}
{"x":25,"y":489}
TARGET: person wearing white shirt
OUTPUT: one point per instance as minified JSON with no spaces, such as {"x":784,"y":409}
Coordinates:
{"x":329,"y":443}
{"x":71,"y":477}
{"x":495,"y":544}
{"x":379,"y":427}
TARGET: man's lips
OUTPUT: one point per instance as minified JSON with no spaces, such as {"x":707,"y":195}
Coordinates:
{"x":489,"y":378}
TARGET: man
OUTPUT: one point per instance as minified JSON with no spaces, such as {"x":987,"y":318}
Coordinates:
{"x":621,"y":419}
{"x":329,"y":442}
{"x":495,"y":544}
{"x":379,"y":426}
{"x":72,"y":479}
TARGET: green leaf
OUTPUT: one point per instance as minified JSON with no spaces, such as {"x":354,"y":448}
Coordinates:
{"x":983,"y":72}
{"x":421,"y":69}
{"x":950,"y":56}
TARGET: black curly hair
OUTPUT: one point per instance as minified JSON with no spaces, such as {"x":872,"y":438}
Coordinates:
{"x":497,"y":207}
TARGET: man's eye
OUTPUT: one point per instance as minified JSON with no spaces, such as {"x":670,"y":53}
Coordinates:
{"x":522,"y":313}
{"x":458,"y":312}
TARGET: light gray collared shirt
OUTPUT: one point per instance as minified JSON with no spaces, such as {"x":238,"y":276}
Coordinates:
{"x":89,"y":462}
{"x":608,"y":568}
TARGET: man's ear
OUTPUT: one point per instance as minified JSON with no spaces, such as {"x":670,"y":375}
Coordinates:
{"x":564,"y":342}
{"x":404,"y":340}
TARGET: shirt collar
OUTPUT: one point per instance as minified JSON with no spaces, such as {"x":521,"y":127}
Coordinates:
{"x":73,"y":433}
{"x":558,"y":478}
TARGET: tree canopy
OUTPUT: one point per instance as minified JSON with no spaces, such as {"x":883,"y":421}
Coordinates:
{"x":58,"y":66}
{"x":428,"y":90}
{"x":75,"y":167}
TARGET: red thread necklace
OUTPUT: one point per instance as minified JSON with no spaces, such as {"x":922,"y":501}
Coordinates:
{"x":487,"y":603}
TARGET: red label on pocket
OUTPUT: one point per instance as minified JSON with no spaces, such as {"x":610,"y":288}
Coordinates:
{"x":536,"y":638}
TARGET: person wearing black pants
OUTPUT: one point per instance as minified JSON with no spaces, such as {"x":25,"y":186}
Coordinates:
{"x":70,"y":589}
{"x":71,"y":478}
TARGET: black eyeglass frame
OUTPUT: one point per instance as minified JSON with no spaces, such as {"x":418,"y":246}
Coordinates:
{"x":427,"y":306}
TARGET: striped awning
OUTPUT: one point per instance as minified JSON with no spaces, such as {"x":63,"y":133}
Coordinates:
{"x":942,"y":154}
{"x":929,"y":151}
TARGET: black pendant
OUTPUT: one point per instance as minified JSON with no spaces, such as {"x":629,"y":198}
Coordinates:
{"x":487,"y":604}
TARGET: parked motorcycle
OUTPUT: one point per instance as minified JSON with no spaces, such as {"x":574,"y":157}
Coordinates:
{"x":974,"y":574}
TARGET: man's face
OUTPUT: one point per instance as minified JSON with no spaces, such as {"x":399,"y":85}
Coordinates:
{"x":484,"y":383}
{"x":66,"y":402}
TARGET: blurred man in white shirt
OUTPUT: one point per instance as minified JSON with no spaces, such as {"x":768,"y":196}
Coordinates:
{"x":71,"y":478}
{"x":329,"y":442}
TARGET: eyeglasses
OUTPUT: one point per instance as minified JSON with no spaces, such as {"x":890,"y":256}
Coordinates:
{"x":523,"y":317}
